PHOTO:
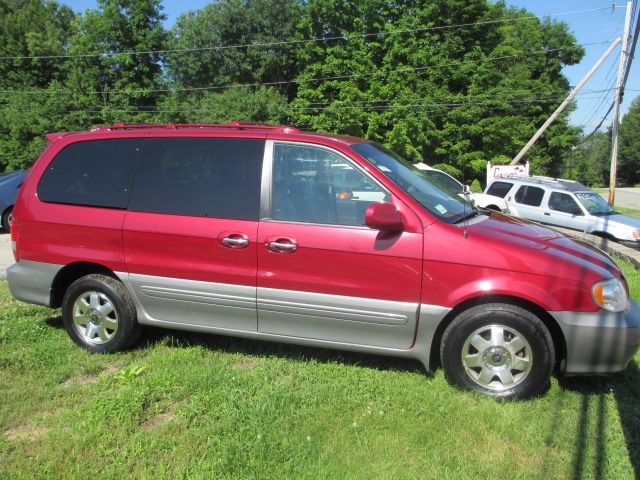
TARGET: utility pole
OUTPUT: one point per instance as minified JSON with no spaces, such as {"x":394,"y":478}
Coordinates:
{"x":566,"y":102}
{"x":616,"y":108}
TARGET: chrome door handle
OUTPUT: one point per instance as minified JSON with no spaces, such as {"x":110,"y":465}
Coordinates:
{"x":547,"y":214}
{"x":236,"y":242}
{"x":290,"y":247}
{"x":233,"y":240}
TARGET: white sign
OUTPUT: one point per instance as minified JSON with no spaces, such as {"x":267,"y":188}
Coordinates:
{"x":499,"y":171}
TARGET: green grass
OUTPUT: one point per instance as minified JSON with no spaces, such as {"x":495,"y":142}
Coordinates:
{"x":628,"y":211}
{"x":208,"y":407}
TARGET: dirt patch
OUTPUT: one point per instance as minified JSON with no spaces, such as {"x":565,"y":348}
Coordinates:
{"x":92,"y":378}
{"x":159,"y":420}
{"x":243,"y":364}
{"x":24,"y":432}
{"x":80,"y":380}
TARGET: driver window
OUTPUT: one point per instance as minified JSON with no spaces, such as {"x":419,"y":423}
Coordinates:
{"x":561,"y":202}
{"x":314,"y":185}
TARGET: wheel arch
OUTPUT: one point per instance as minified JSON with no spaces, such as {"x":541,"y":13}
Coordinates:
{"x":69,"y":274}
{"x":555,"y":331}
{"x":605,"y":235}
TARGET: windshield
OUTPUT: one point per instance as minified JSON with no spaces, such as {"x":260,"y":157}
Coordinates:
{"x":594,"y":203}
{"x":443,"y":179}
{"x":436,"y":198}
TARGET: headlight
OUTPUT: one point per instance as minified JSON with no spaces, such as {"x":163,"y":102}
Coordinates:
{"x":610,"y":295}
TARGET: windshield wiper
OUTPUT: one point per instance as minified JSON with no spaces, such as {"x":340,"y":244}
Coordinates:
{"x":472,"y":213}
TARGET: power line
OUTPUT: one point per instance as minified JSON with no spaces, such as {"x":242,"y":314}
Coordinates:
{"x":448,"y":98}
{"x":294,"y":42}
{"x":370,"y":107}
{"x":302,"y":80}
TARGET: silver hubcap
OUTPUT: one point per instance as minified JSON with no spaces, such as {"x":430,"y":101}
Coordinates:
{"x":497,"y":357}
{"x":95,"y":317}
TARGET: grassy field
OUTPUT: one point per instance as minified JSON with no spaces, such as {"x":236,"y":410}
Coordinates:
{"x":207,"y":407}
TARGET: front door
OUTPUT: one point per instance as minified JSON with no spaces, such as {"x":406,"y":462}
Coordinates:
{"x":564,"y":211}
{"x":322,"y":273}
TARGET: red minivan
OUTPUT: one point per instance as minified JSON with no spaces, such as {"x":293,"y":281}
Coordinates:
{"x":314,"y":239}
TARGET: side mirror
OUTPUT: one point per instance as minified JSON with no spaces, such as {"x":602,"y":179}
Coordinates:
{"x":466,"y":192}
{"x":383,"y":216}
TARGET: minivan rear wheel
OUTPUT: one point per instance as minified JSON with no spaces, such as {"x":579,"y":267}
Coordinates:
{"x":99,"y":314}
{"x":499,"y":350}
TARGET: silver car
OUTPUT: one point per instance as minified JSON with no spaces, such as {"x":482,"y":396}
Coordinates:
{"x":565,"y":203}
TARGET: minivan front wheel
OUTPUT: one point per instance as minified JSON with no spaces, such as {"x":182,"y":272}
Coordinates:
{"x":499,"y":350}
{"x":99,"y":314}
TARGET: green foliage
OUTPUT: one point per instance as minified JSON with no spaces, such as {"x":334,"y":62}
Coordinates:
{"x":210,"y":407}
{"x":264,"y":105}
{"x":30,"y":28}
{"x":129,"y":374}
{"x":448,"y":96}
{"x":475,"y":186}
{"x":443,"y":95}
{"x":118,"y":86}
{"x":589,"y":161}
{"x":229,"y":23}
{"x":629,"y":147}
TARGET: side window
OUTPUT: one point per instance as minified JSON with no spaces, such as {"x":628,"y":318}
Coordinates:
{"x":528,"y":195}
{"x":561,"y":202}
{"x":314,"y":185}
{"x":200,"y":177}
{"x":445,"y":180}
{"x":96,"y":173}
{"x":499,"y":189}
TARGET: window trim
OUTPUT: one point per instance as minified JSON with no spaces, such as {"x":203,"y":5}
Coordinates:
{"x":266,"y":188}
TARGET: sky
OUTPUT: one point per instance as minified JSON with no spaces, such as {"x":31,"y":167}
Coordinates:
{"x":594,"y":29}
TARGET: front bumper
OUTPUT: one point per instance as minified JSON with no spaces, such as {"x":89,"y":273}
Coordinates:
{"x":600,"y":342}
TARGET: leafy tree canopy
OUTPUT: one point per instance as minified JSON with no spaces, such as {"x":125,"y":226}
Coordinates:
{"x":451,"y":82}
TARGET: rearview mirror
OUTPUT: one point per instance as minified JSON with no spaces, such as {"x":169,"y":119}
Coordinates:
{"x":383,"y":216}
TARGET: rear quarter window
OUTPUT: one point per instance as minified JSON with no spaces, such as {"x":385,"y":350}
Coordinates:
{"x":499,"y":189}
{"x":95,"y":173}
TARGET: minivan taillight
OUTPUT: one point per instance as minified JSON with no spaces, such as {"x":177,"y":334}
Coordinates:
{"x":13,"y":228}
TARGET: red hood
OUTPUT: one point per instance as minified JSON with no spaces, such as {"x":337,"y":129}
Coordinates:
{"x":509,"y":243}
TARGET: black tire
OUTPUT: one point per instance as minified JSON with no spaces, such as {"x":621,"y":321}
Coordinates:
{"x":99,"y":314}
{"x":6,"y":218}
{"x":502,"y":365}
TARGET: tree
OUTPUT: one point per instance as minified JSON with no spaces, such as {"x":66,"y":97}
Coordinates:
{"x":589,"y":161}
{"x":29,"y":105}
{"x":629,"y":148}
{"x":210,"y":41}
{"x":265,"y":105}
{"x":117,"y":70}
{"x":32,"y":28}
{"x":400,"y":73}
